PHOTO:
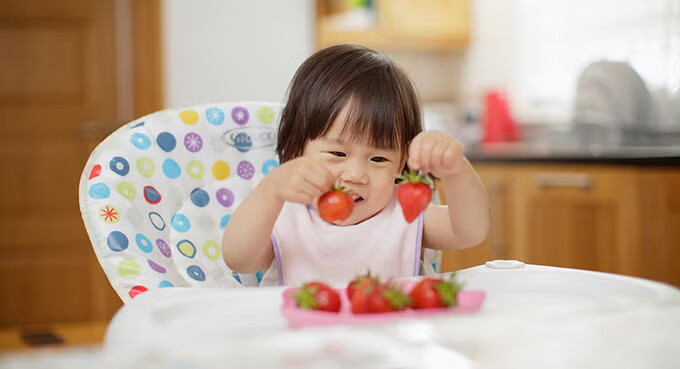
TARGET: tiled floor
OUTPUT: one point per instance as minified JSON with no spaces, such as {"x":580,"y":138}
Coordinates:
{"x":51,"y":336}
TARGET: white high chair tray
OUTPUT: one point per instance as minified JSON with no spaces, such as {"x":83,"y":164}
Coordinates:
{"x":533,"y":314}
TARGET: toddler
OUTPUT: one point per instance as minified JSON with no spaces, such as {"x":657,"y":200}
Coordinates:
{"x":352,"y":115}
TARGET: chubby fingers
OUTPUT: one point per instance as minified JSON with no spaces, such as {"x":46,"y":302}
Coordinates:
{"x":303,"y":181}
{"x":414,"y":156}
{"x":434,"y":152}
{"x":319,"y":177}
{"x":425,"y":151}
{"x":452,"y":154}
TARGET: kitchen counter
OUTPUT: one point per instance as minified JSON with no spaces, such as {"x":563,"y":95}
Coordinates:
{"x":509,"y":153}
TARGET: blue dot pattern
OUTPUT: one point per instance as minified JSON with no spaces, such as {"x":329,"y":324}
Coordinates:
{"x":99,"y":191}
{"x":225,"y":220}
{"x":269,"y":165}
{"x":215,"y":116}
{"x":171,"y":169}
{"x":200,"y":197}
{"x":180,"y":223}
{"x":140,"y":141}
{"x":166,"y":141}
{"x":152,"y":195}
{"x":143,"y":243}
{"x":119,"y":166}
{"x":157,"y":221}
{"x":117,"y":241}
{"x":243,"y":142}
{"x":195,"y":272}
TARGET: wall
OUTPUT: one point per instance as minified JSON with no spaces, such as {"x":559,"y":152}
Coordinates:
{"x":248,"y":50}
{"x":535,"y":50}
{"x":217,"y":50}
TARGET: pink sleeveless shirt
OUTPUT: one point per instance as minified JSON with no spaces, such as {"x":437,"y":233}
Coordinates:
{"x":307,"y":248}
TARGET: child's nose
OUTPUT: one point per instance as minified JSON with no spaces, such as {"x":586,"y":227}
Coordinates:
{"x":354,"y":173}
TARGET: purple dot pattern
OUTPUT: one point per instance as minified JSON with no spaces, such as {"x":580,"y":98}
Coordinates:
{"x":240,"y":115}
{"x":225,"y":197}
{"x":156,"y":267}
{"x":245,"y":169}
{"x":193,"y":142}
{"x":163,"y":248}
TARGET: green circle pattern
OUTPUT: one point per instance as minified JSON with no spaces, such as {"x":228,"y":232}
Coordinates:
{"x":265,"y":115}
{"x":129,"y":268}
{"x":127,"y":190}
{"x":195,"y":169}
{"x":211,"y":250}
{"x":187,"y":248}
{"x":146,"y":167}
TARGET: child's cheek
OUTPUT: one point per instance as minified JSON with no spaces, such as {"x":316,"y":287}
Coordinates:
{"x":334,"y":168}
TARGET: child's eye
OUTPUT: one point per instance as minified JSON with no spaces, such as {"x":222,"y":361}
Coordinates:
{"x":338,"y":153}
{"x":378,"y":159}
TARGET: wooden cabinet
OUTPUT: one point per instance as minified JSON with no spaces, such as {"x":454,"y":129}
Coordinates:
{"x":659,"y":251}
{"x":498,"y":185}
{"x":608,"y":218}
{"x":576,"y":217}
{"x":397,"y":24}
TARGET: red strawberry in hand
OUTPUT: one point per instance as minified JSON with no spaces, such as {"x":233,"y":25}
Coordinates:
{"x":336,"y":204}
{"x":385,"y":299}
{"x":432,"y":293}
{"x":318,"y":296}
{"x":361,"y":282}
{"x":414,"y":194}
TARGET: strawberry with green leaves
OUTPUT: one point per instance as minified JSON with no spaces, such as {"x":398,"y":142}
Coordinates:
{"x":360,"y":296}
{"x":336,"y":204}
{"x":378,"y":298}
{"x":361,"y":282}
{"x":431,"y":293}
{"x":318,"y":296}
{"x":386,"y":299}
{"x":414,"y":193}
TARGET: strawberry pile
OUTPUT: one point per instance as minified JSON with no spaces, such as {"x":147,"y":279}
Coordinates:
{"x":367,"y":295}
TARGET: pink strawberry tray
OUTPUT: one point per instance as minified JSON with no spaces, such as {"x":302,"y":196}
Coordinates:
{"x":469,"y":301}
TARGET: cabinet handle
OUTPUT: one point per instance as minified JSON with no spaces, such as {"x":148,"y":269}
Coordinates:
{"x":564,"y":180}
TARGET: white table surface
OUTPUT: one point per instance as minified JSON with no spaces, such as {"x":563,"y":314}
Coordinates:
{"x":533,"y":317}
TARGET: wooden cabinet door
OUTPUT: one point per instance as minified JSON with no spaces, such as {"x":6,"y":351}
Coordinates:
{"x":659,"y":249}
{"x":577,"y":217}
{"x":498,"y":183}
{"x":58,"y":71}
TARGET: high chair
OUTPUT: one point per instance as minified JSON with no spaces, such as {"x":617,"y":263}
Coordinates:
{"x":157,"y":193}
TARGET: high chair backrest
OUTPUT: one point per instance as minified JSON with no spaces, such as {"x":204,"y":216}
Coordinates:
{"x":157,"y":193}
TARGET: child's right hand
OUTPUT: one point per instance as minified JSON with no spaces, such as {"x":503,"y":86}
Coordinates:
{"x":301,"y":180}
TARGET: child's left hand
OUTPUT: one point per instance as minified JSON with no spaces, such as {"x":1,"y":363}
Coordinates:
{"x":435,"y":152}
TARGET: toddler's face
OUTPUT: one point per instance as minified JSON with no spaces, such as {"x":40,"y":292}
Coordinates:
{"x":369,"y":172}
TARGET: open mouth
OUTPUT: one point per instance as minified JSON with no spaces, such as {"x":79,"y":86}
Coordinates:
{"x":356,"y":197}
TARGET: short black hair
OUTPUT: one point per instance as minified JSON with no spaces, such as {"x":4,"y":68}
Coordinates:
{"x":382,"y":101}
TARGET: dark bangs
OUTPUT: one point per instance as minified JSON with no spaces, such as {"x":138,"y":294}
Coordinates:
{"x":382,"y":106}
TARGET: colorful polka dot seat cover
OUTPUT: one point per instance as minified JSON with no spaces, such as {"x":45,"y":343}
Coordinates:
{"x":156,"y":194}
